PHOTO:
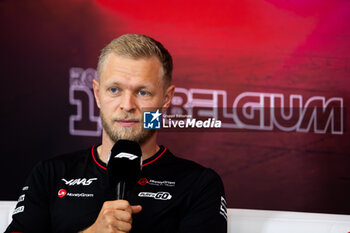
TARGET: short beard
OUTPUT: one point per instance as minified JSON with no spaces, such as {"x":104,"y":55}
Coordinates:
{"x":139,"y":135}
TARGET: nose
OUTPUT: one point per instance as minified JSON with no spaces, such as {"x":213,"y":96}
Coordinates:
{"x":127,"y":102}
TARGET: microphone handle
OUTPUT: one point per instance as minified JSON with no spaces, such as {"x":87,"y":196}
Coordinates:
{"x":120,"y":190}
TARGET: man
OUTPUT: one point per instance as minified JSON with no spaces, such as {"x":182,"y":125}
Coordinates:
{"x":70,"y":193}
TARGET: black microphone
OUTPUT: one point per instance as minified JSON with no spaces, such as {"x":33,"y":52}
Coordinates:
{"x":124,"y":166}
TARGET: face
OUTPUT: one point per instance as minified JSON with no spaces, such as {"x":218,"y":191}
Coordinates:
{"x":126,"y":86}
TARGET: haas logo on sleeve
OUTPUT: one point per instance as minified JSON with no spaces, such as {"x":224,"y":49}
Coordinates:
{"x":223,"y":208}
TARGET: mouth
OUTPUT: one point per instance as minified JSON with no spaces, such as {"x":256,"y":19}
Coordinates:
{"x":127,"y":123}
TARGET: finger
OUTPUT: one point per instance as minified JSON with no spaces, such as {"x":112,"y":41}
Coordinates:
{"x":118,"y":205}
{"x":136,"y":209}
{"x":122,"y":215}
{"x":121,"y":226}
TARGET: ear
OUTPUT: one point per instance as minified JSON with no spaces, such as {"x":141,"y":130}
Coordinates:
{"x":96,"y":87}
{"x":168,"y":96}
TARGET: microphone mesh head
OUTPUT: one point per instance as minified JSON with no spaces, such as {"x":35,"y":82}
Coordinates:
{"x":124,"y":163}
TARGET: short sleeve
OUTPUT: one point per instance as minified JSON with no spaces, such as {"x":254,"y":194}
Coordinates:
{"x":207,"y":211}
{"x":32,"y":210}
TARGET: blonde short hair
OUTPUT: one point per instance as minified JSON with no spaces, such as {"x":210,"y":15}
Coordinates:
{"x":138,"y":46}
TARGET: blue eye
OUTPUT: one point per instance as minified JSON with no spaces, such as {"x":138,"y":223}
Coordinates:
{"x":143,"y":93}
{"x":114,"y":90}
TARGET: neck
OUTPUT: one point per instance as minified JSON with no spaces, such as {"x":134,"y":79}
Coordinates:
{"x":148,"y":148}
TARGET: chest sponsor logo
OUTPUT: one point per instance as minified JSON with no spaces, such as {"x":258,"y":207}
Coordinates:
{"x":63,"y":193}
{"x":144,"y":181}
{"x":158,"y":196}
{"x":79,"y":181}
{"x":80,"y":195}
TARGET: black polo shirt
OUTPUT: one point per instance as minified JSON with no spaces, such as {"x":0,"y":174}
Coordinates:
{"x":66,"y":193}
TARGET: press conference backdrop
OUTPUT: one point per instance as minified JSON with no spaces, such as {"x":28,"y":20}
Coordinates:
{"x":247,"y":58}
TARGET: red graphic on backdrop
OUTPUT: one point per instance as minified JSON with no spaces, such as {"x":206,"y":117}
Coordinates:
{"x":143,"y":181}
{"x":62,"y":193}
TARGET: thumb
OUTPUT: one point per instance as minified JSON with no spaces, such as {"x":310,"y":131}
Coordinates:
{"x":136,"y":209}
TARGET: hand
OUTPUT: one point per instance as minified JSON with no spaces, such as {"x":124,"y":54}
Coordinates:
{"x":114,"y":217}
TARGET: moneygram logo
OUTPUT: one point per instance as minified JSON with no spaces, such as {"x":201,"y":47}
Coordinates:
{"x":62,"y":193}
